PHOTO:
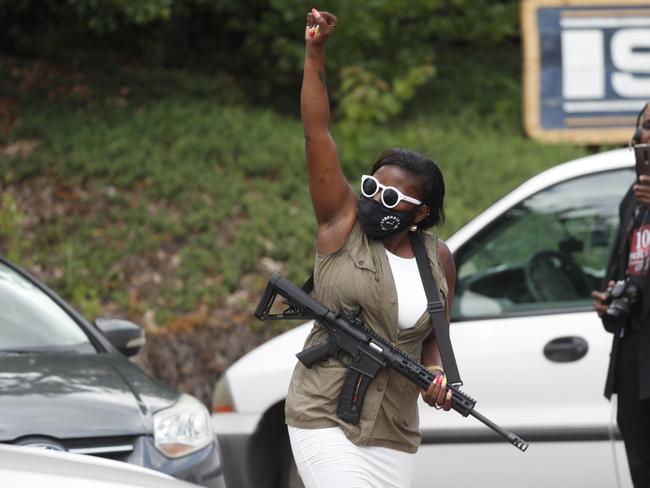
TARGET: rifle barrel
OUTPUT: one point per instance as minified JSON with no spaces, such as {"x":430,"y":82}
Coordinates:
{"x":515,"y":440}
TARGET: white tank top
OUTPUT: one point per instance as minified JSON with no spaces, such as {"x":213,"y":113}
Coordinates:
{"x":411,"y":299}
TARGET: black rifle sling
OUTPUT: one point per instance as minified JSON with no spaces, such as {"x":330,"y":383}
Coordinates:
{"x":436,"y":309}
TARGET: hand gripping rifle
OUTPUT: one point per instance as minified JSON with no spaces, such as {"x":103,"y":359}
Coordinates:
{"x":366,"y":354}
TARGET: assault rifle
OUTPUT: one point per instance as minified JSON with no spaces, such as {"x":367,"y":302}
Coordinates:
{"x":363,"y":351}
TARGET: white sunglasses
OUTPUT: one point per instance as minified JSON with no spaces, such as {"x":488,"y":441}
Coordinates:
{"x":390,"y":196}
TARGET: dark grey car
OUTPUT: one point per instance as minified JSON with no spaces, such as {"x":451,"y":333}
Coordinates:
{"x":66,"y":384}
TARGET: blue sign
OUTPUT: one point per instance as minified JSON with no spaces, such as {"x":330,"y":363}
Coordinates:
{"x":586,"y":68}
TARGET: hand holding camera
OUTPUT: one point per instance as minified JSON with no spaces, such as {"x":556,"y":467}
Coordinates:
{"x":616,"y":303}
{"x":599,"y":298}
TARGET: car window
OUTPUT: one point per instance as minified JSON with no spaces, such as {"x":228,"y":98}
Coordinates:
{"x":544,"y":254}
{"x":31,"y":320}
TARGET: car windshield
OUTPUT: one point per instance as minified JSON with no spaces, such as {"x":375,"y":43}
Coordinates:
{"x":30,"y":321}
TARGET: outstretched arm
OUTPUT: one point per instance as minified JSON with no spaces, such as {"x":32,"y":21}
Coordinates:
{"x":333,"y":199}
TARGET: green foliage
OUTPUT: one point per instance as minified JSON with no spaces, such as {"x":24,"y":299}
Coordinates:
{"x":76,"y":279}
{"x":377,"y":44}
{"x":98,"y":16}
{"x":171,"y":192}
{"x":190,"y":180}
{"x":381,"y":50}
{"x":11,"y":222}
{"x":366,"y":99}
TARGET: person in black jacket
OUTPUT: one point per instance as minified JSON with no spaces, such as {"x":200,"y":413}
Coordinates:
{"x":625,"y":312}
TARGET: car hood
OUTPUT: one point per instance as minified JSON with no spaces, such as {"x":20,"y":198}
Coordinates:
{"x":70,"y":396}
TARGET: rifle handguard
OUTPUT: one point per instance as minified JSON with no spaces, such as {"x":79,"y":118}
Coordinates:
{"x":461,"y":402}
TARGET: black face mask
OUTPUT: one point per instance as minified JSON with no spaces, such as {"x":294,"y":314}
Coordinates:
{"x":378,"y":221}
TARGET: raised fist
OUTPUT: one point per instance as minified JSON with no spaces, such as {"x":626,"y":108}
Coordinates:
{"x":320,"y":26}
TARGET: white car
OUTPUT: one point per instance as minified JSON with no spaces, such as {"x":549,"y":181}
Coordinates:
{"x":529,"y":346}
{"x":30,"y":467}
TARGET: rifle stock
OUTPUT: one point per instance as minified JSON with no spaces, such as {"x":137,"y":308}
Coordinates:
{"x":369,"y":353}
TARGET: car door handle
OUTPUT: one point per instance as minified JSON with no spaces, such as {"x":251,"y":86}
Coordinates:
{"x":566,"y":349}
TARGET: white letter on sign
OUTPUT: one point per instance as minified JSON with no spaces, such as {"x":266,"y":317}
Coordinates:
{"x":583,"y":64}
{"x":631,"y":52}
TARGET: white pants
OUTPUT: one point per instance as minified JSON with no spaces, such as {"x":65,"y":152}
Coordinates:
{"x":327,"y":459}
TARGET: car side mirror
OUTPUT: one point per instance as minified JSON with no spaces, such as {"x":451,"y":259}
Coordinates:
{"x":127,"y":337}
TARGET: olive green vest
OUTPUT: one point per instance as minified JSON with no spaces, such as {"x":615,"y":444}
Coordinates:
{"x":359,"y":274}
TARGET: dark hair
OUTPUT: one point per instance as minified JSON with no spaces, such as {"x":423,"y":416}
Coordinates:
{"x":432,"y":184}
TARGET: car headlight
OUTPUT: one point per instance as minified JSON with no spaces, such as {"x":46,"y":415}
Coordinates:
{"x":183,"y":428}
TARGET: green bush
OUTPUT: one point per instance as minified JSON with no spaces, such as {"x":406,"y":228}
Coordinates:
{"x":259,"y":42}
{"x":87,"y":16}
{"x":175,"y":191}
{"x":11,"y":222}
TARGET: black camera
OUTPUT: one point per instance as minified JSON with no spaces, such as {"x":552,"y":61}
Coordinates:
{"x":621,"y":299}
